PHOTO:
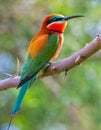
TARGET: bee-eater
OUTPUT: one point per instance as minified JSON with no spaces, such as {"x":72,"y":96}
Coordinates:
{"x":45,"y":45}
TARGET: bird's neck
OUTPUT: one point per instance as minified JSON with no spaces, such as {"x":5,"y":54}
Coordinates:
{"x":46,"y":31}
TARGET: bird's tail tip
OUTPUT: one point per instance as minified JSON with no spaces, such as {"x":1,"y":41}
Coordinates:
{"x":10,"y":122}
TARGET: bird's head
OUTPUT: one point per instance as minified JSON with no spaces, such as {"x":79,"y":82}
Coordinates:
{"x":57,"y":22}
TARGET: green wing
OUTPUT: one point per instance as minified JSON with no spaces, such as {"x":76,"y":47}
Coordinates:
{"x":33,"y":66}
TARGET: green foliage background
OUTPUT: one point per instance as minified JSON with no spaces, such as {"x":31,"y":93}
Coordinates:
{"x":55,"y":102}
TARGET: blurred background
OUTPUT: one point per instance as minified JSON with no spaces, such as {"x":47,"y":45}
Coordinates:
{"x":54,"y":102}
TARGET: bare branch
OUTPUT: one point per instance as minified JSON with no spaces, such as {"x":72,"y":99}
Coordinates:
{"x":76,"y":59}
{"x":60,"y":66}
{"x":9,"y":83}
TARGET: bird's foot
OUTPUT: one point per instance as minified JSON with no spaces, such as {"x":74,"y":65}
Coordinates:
{"x":49,"y":63}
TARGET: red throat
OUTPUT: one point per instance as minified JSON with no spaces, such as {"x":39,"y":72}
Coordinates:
{"x":57,"y":27}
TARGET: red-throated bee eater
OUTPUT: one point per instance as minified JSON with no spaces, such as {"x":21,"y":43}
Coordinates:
{"x":45,"y":45}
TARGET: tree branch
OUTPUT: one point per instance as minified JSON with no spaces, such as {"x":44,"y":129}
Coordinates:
{"x":62,"y":65}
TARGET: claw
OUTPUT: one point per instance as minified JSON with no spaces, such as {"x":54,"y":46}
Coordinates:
{"x":49,"y":63}
{"x":44,"y":69}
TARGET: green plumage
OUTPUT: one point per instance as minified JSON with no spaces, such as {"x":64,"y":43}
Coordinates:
{"x":32,"y":66}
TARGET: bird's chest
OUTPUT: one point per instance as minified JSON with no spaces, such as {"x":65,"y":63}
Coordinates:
{"x":61,"y":39}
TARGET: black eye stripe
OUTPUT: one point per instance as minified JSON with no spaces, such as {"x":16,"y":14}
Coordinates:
{"x":53,"y":20}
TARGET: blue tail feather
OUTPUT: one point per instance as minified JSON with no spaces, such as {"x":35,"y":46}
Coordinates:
{"x":21,"y":95}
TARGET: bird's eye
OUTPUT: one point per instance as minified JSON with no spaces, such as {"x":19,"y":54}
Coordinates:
{"x":53,"y":20}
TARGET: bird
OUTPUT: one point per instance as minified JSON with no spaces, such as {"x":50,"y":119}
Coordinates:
{"x":44,"y":46}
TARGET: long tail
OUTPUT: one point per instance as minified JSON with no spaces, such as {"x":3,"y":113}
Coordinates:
{"x":20,"y":98}
{"x":21,"y":95}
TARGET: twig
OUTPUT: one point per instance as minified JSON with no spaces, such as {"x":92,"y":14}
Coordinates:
{"x":62,"y":65}
{"x":76,"y":59}
{"x":9,"y":83}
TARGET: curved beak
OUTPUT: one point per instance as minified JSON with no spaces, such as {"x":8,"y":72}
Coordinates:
{"x":70,"y":17}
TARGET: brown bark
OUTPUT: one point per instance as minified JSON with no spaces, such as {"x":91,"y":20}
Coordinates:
{"x":62,"y":65}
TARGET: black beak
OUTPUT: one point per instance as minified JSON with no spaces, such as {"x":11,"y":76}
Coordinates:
{"x":70,"y":17}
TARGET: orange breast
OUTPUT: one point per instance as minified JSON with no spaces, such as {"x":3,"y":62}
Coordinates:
{"x":61,"y":39}
{"x":37,"y":45}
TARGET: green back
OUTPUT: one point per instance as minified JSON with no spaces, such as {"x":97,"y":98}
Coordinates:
{"x":34,"y":65}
